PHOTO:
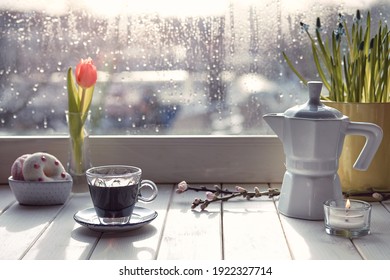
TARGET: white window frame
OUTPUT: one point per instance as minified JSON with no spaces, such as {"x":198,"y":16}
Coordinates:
{"x":167,"y":159}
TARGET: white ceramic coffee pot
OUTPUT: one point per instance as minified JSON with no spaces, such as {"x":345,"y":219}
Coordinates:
{"x":313,"y":135}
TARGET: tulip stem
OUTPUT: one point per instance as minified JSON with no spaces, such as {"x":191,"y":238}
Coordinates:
{"x":77,"y":146}
{"x":83,"y":93}
{"x":77,"y":135}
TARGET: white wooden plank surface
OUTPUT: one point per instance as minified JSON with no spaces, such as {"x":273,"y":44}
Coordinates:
{"x":6,"y":197}
{"x":141,"y":244}
{"x":251,"y":229}
{"x":376,"y":246}
{"x":244,"y":230}
{"x":386,"y":204}
{"x":21,"y":226}
{"x":191,"y":234}
{"x":64,"y":238}
{"x":308,"y":240}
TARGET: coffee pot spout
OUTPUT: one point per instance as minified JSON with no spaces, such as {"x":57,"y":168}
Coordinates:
{"x":275,"y":121}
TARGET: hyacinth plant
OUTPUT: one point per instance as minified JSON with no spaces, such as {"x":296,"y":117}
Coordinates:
{"x":353,"y":64}
{"x":217,"y":194}
{"x":79,"y":102}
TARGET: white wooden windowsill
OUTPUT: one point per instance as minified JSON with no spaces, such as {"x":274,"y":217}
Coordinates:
{"x":167,"y":159}
{"x":233,"y":230}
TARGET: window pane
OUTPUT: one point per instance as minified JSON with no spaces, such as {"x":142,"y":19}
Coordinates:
{"x":165,"y":67}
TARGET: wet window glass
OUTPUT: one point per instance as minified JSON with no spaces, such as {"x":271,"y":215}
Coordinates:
{"x":164,"y":67}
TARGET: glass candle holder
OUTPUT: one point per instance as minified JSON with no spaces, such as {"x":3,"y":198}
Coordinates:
{"x":347,"y":217}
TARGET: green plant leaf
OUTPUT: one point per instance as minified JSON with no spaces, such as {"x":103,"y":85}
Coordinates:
{"x":386,"y":73}
{"x":87,"y":100}
{"x":347,"y":74}
{"x":336,"y":70}
{"x":324,"y":50}
{"x":294,"y":69}
{"x":319,"y":69}
{"x":73,"y":100}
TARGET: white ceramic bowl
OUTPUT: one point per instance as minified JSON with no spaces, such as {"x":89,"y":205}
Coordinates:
{"x":41,"y":193}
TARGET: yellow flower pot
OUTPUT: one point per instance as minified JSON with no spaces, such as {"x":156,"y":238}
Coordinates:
{"x":377,"y":176}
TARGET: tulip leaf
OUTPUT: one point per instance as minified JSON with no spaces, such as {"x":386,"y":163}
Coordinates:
{"x":72,"y":93}
{"x":87,"y":100}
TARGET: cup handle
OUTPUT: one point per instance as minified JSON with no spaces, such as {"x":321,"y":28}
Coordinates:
{"x":152,"y":186}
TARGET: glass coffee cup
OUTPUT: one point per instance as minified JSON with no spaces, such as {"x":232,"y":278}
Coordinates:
{"x":115,"y":190}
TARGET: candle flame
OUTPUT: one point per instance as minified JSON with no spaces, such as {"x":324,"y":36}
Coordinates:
{"x":347,"y":204}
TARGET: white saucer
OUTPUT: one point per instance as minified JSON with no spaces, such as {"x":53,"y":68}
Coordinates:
{"x":141,"y":216}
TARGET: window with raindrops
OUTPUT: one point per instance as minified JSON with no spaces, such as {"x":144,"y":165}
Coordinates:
{"x":165,"y":67}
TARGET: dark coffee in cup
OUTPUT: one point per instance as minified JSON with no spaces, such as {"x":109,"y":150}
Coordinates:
{"x":114,"y":202}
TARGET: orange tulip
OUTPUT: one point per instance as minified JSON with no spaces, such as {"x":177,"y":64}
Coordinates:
{"x":86,"y":74}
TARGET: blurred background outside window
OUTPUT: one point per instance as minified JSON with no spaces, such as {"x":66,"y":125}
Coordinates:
{"x":204,"y":67}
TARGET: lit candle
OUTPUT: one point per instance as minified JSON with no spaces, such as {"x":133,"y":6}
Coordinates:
{"x":340,"y":218}
{"x":350,"y":218}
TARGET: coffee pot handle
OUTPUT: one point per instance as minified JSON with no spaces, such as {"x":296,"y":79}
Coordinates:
{"x":373,"y":134}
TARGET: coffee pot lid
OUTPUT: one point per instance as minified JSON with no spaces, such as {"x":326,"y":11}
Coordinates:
{"x":313,"y":108}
